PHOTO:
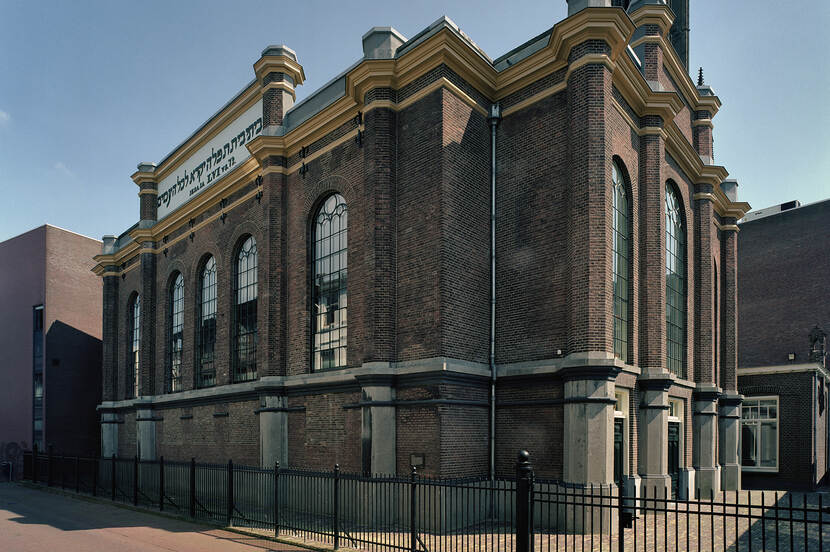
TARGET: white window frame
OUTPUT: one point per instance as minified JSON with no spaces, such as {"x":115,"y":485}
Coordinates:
{"x":757,"y":421}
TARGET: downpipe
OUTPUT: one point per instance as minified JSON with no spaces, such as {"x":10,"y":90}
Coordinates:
{"x":493,"y":118}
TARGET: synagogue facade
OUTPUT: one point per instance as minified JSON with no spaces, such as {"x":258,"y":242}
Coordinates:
{"x":439,"y":259}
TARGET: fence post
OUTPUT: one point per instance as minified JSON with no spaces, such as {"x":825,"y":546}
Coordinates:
{"x":49,"y":467}
{"x":276,"y":499}
{"x":34,"y":463}
{"x":413,"y":492}
{"x":77,"y":474}
{"x":230,"y":493}
{"x":95,"y":468}
{"x":192,"y":487}
{"x":620,"y":523}
{"x":135,"y":480}
{"x":336,"y":506}
{"x":161,"y":483}
{"x":113,"y":477}
{"x":524,"y":482}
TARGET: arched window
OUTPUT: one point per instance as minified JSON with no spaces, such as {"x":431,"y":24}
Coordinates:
{"x":329,"y":279}
{"x":174,"y":342}
{"x":133,"y":347}
{"x":675,"y":284}
{"x":245,"y":312}
{"x":621,"y":255}
{"x":206,"y":331}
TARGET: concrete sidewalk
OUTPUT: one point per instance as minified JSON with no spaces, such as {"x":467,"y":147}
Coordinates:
{"x":33,"y":520}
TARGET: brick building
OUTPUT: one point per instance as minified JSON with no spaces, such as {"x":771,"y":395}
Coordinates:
{"x":784,"y":311}
{"x":50,"y":338}
{"x":225,"y":323}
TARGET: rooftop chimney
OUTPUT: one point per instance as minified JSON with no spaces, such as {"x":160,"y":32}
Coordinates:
{"x":730,"y":188}
{"x":575,"y":6}
{"x":108,"y":245}
{"x":382,"y":43}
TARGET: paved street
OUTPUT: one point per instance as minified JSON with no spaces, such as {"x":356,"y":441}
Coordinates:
{"x":33,"y":520}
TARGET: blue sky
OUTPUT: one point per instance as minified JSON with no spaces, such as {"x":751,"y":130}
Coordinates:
{"x":89,"y":89}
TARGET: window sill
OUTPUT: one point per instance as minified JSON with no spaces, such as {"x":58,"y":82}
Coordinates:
{"x":759,"y":469}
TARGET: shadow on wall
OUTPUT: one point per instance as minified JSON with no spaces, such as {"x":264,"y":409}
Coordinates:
{"x":72,"y":390}
{"x":11,"y":460}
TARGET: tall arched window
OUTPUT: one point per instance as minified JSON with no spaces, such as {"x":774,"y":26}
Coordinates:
{"x":174,"y":341}
{"x":206,"y":331}
{"x":245,"y":312}
{"x":675,"y":284}
{"x":621,"y":254}
{"x":133,"y":347}
{"x":329,"y":279}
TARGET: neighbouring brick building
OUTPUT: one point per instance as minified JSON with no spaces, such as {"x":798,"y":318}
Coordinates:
{"x":610,"y":359}
{"x":784,"y":312}
{"x":50,"y":338}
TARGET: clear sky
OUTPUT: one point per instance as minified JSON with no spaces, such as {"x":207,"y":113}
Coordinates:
{"x":89,"y":89}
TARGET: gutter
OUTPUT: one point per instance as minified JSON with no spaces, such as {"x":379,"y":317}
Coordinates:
{"x":493,"y":119}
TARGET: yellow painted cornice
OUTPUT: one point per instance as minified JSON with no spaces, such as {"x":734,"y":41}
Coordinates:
{"x":653,"y":14}
{"x":279,"y":64}
{"x":144,"y":177}
{"x":263,"y":146}
{"x":611,"y":25}
{"x":140,"y":235}
{"x":642,"y":99}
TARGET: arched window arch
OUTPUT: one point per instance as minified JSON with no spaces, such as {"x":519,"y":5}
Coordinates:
{"x":621,"y":261}
{"x":206,"y":325}
{"x":329,"y":282}
{"x":175,"y":342}
{"x":675,"y":284}
{"x":133,"y":346}
{"x":244,"y":338}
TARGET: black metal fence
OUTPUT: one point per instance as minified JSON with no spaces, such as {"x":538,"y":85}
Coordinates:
{"x":422,"y":514}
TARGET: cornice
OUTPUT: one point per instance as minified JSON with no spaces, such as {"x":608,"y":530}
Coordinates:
{"x":144,"y":177}
{"x":613,"y":26}
{"x":284,"y":86}
{"x":279,"y":64}
{"x":642,"y":99}
{"x":653,"y":14}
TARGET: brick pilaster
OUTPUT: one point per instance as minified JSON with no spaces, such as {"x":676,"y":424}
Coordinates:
{"x":702,"y":135}
{"x":378,"y":142}
{"x":729,"y":264}
{"x":275,"y":301}
{"x":704,"y":335}
{"x":652,"y":249}
{"x":147,"y":325}
{"x":279,"y":74}
{"x":589,"y":99}
{"x":147,"y":193}
{"x":110,"y":336}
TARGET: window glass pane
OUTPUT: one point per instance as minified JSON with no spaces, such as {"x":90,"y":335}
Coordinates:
{"x":620,"y":262}
{"x":134,"y":326}
{"x":769,"y":444}
{"x":749,"y":445}
{"x":206,"y":334}
{"x":675,"y":285}
{"x":245,"y":312}
{"x":175,"y":338}
{"x":329,"y":290}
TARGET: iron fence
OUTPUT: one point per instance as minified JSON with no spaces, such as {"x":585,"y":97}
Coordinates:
{"x":424,"y":514}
